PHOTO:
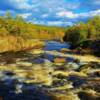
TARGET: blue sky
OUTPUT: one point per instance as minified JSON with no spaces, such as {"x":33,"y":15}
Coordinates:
{"x":52,"y":12}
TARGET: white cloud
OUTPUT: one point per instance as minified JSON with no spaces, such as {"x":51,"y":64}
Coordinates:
{"x":71,"y":15}
{"x":25,"y":15}
{"x":45,"y":15}
{"x":97,"y":2}
{"x":68,"y":14}
{"x":89,"y":14}
{"x":21,"y":4}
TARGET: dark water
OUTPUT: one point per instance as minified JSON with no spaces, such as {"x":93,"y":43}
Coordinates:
{"x":8,"y":84}
{"x":54,"y":45}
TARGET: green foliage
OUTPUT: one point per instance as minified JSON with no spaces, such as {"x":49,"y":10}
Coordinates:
{"x":17,"y":34}
{"x":83,"y":31}
{"x":8,"y":15}
{"x":19,"y":27}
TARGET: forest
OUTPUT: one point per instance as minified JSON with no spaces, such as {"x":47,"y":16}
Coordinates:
{"x":16,"y":33}
{"x":85,"y":36}
{"x":83,"y":31}
{"x":19,"y":27}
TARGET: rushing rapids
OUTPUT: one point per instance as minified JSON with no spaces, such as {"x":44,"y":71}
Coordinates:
{"x":40,"y":74}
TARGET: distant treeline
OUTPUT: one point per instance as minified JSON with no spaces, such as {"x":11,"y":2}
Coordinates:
{"x":74,"y":34}
{"x":19,"y":27}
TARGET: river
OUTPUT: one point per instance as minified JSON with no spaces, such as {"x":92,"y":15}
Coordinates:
{"x":32,"y":76}
{"x":53,"y":49}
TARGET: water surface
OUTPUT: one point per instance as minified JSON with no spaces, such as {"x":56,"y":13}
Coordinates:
{"x":55,"y":45}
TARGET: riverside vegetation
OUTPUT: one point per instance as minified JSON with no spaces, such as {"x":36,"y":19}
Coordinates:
{"x":85,"y":36}
{"x":49,"y":63}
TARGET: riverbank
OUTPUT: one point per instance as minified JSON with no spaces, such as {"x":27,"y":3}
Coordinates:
{"x":15,"y":44}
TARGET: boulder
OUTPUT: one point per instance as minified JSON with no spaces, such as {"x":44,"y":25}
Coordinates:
{"x":64,"y":50}
{"x":60,"y":60}
{"x":21,"y":63}
{"x":41,"y":75}
{"x":72,"y":66}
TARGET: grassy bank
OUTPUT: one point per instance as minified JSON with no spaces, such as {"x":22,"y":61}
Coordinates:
{"x":14,"y":44}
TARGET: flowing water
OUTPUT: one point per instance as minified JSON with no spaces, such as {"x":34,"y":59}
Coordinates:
{"x":54,"y":45}
{"x":33,"y":76}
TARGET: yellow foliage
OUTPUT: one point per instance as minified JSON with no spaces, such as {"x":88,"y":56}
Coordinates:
{"x":11,"y":43}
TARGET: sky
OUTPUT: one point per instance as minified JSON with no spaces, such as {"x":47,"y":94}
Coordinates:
{"x":52,"y":12}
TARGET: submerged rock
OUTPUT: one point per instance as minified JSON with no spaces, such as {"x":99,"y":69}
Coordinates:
{"x":64,"y":50}
{"x":41,"y":75}
{"x":50,"y":57}
{"x":89,"y":95}
{"x":67,"y":96}
{"x":76,"y":80}
{"x":48,"y":64}
{"x":59,"y":61}
{"x":89,"y":67}
{"x":94,"y":73}
{"x":27,"y":64}
{"x":9,"y":73}
{"x":38,"y":61}
{"x":92,"y":83}
{"x":61,"y":85}
{"x":72,"y":66}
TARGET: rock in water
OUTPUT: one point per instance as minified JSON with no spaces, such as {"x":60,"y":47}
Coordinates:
{"x":68,"y":96}
{"x":59,"y":61}
{"x":27,"y":64}
{"x":64,"y":50}
{"x":41,"y":75}
{"x":72,"y":66}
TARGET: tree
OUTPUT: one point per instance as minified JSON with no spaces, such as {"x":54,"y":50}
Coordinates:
{"x":8,"y":15}
{"x":83,"y":31}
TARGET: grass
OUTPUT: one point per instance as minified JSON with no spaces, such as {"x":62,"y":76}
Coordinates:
{"x":11,"y":43}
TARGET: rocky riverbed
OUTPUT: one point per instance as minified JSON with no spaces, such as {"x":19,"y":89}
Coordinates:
{"x":48,"y":75}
